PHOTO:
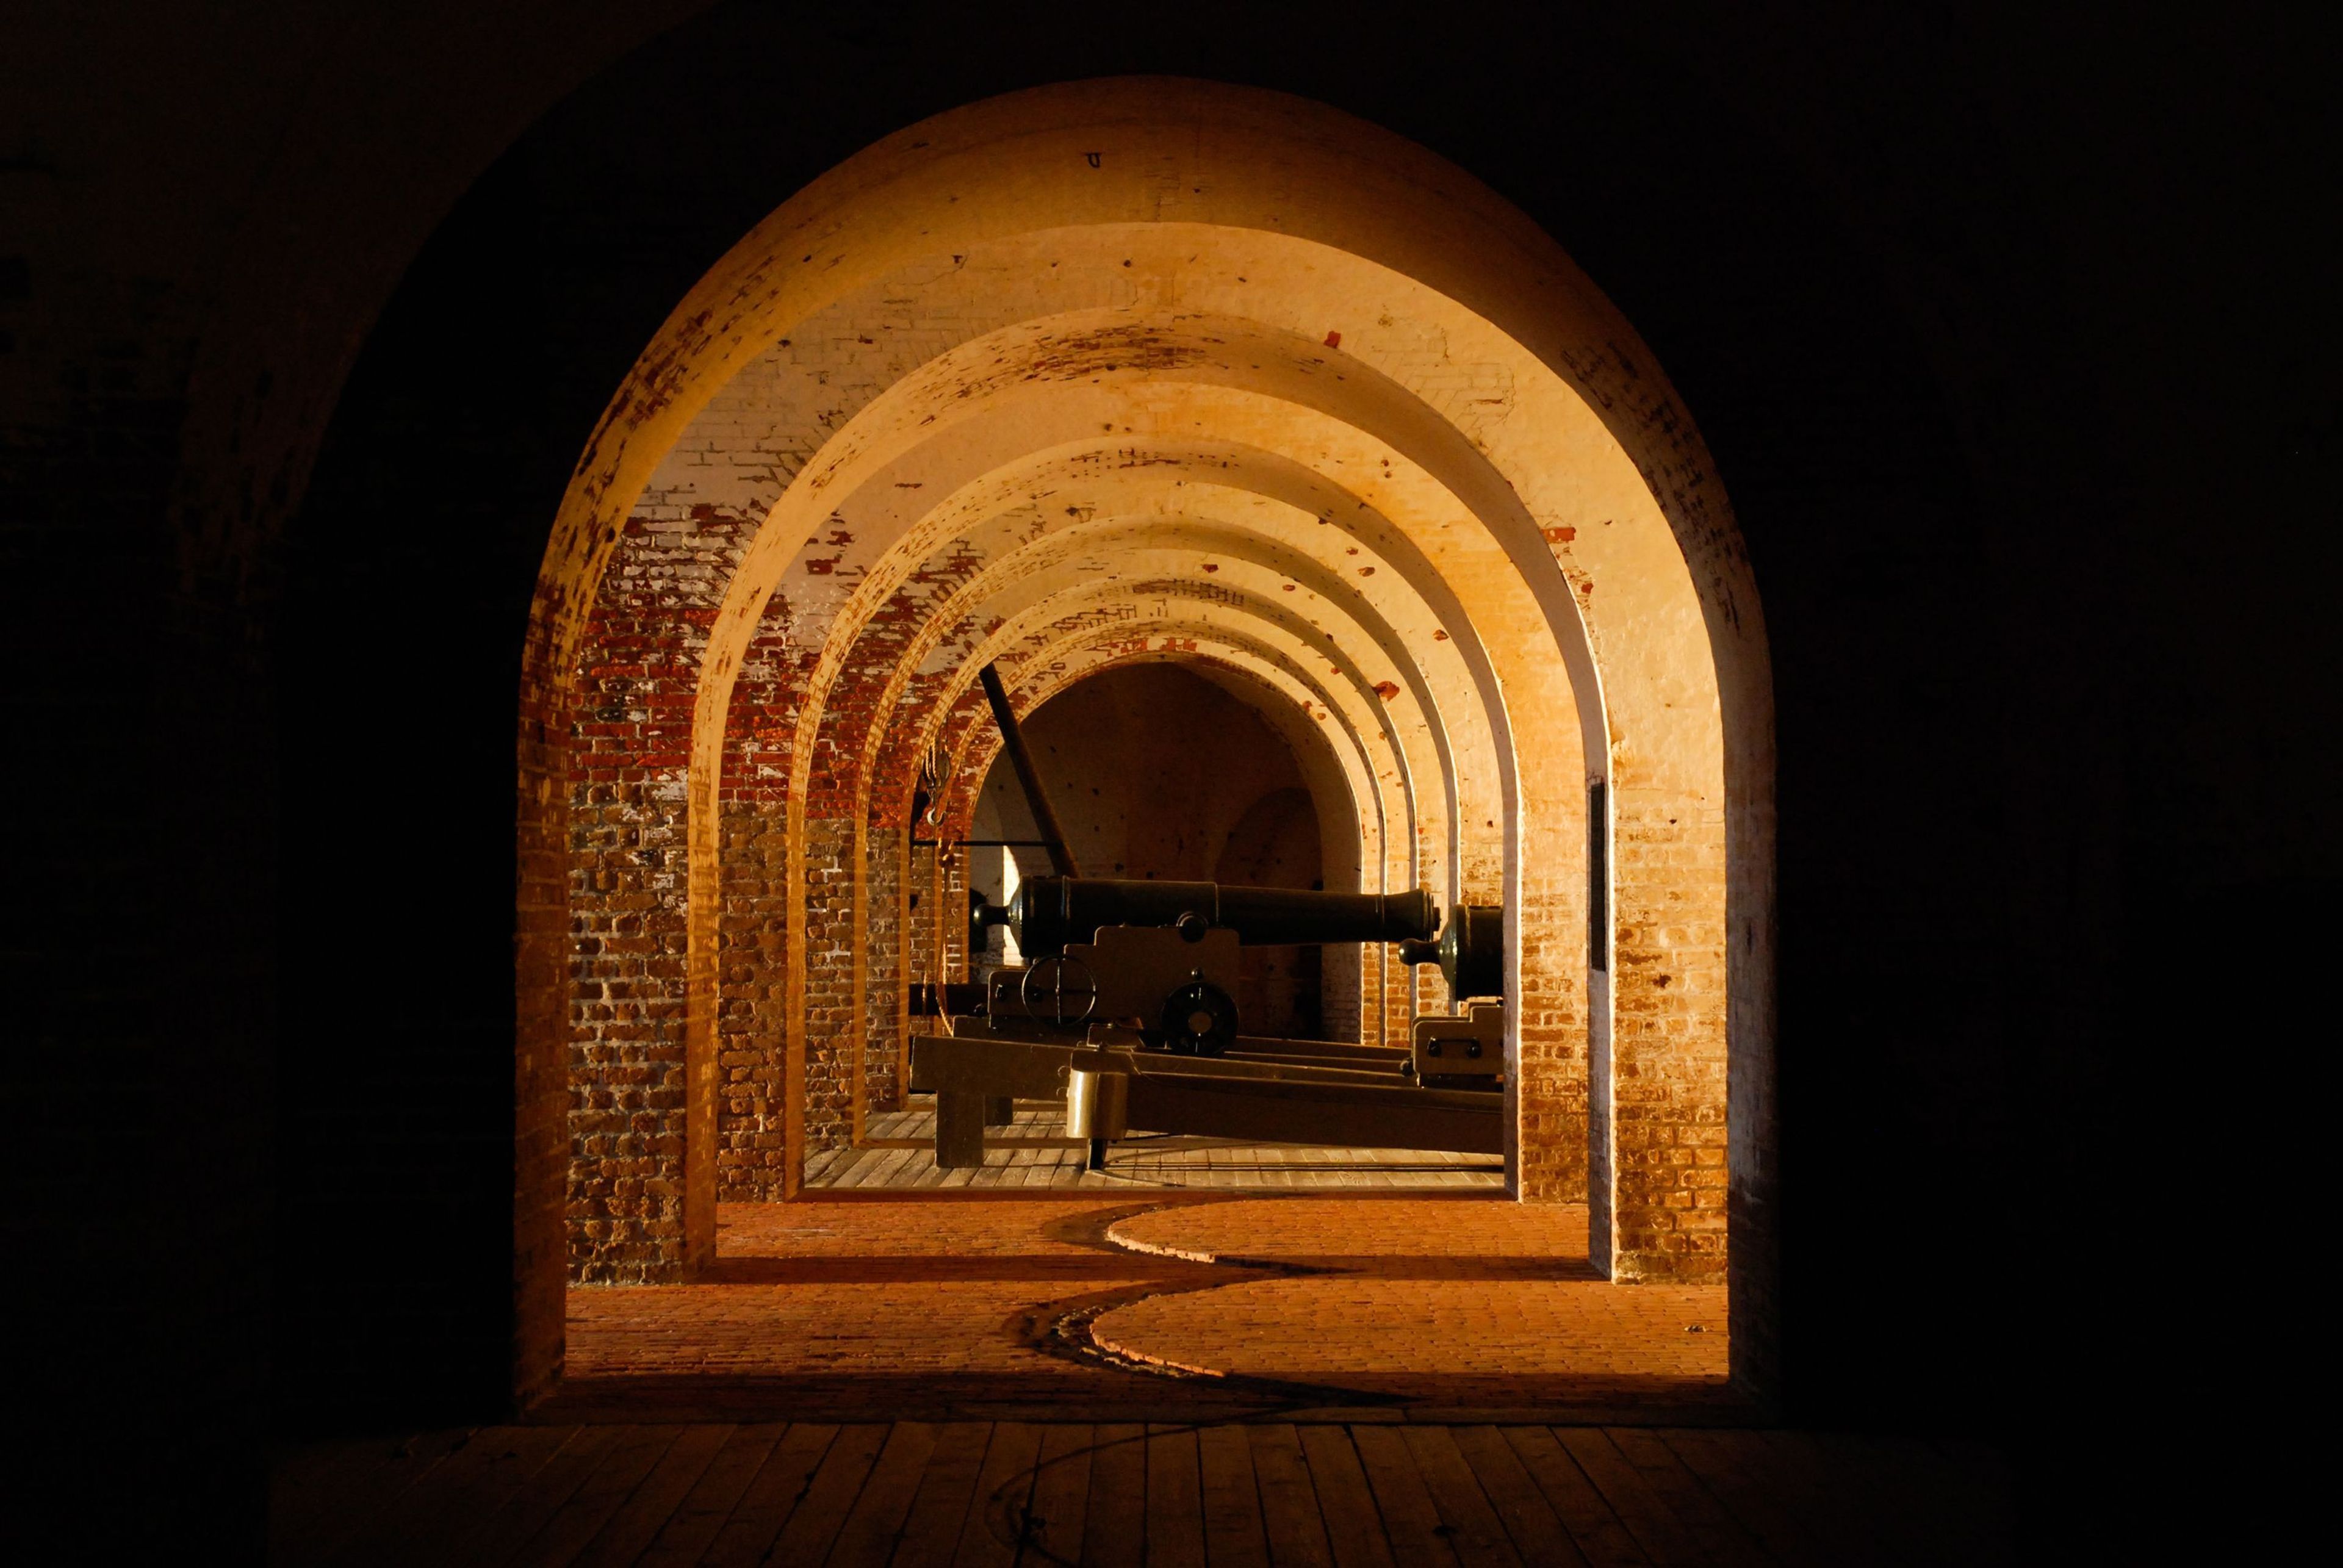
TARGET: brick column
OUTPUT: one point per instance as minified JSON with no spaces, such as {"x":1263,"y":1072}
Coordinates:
{"x":830,"y":1044}
{"x":630,"y":1120}
{"x":1668,"y":1047}
{"x":883,"y":971}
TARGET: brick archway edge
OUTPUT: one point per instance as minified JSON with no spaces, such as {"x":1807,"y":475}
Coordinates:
{"x":1670,"y":704}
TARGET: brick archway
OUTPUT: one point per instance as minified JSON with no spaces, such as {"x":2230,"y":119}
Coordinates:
{"x":918,"y":345}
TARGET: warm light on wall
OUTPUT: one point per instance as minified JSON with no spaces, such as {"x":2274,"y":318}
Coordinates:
{"x":1191,"y":372}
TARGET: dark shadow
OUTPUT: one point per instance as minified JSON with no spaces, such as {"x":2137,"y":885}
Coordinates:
{"x":1108,"y":1395}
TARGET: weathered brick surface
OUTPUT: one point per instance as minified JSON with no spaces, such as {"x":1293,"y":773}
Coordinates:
{"x":884,"y":1290}
{"x":833,"y":1031}
{"x":1553,"y":1089}
{"x":1668,"y":1085}
{"x":885,"y":972}
{"x":1501,"y":1337}
{"x":952,"y":909}
{"x":629,"y":731}
{"x":914,"y":390}
{"x":190,"y":291}
{"x":921,"y":938}
{"x":1453,"y":1302}
{"x":753,"y":906}
{"x":628,"y":820}
{"x":753,"y":1093}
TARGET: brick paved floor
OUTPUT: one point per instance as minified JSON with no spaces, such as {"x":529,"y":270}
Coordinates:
{"x":1061,"y":1377}
{"x":1425,"y":1300}
{"x":1170,"y":1306}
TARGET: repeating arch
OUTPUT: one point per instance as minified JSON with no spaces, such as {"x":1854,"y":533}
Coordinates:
{"x":1154,"y":370}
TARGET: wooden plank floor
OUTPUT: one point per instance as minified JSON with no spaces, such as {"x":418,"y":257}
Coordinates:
{"x":898,"y":1150}
{"x":980,"y":1492}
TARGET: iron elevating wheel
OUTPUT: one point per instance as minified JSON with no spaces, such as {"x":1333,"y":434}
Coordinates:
{"x":1198,"y":1019}
{"x":1062,"y":986}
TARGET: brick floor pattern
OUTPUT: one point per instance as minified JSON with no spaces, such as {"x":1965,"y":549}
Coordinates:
{"x":1372,"y":1370}
{"x":1413,"y":1297}
{"x":1020,"y":1306}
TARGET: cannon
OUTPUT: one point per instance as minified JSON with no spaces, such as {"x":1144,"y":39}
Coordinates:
{"x":1161,"y":958}
{"x":1048,"y":913}
{"x":1125,"y":1006}
{"x":1119,"y":971}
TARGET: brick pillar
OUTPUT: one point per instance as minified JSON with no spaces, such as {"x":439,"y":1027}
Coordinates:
{"x":630,"y":1118}
{"x":1550,"y":1087}
{"x":1668,"y":1046}
{"x":883,"y":969}
{"x":629,"y":729}
{"x":752,"y":1096}
{"x":749,"y":1122}
{"x":542,"y":1039}
{"x":830,"y":1022}
{"x":920,"y":947}
{"x":951,"y":910}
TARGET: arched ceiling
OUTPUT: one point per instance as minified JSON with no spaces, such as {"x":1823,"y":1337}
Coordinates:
{"x":1162,"y":369}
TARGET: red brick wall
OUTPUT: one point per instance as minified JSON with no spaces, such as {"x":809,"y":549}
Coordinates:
{"x":951,"y":899}
{"x":832,"y":1044}
{"x":752,"y":1094}
{"x":751,"y":1011}
{"x":637,"y":682}
{"x":883,"y":969}
{"x":629,"y":729}
{"x":1552,"y":1151}
{"x":1668,"y":1037}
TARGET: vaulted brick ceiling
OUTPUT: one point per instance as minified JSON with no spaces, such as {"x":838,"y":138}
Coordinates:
{"x":1156,"y":370}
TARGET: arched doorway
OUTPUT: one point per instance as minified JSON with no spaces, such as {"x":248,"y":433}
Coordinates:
{"x":1136,"y":366}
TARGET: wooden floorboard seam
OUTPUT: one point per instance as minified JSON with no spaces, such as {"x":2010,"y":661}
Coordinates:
{"x":986,"y":1494}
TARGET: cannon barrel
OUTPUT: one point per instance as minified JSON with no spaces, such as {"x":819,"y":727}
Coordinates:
{"x":1051,"y":911}
{"x":1470,"y":951}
